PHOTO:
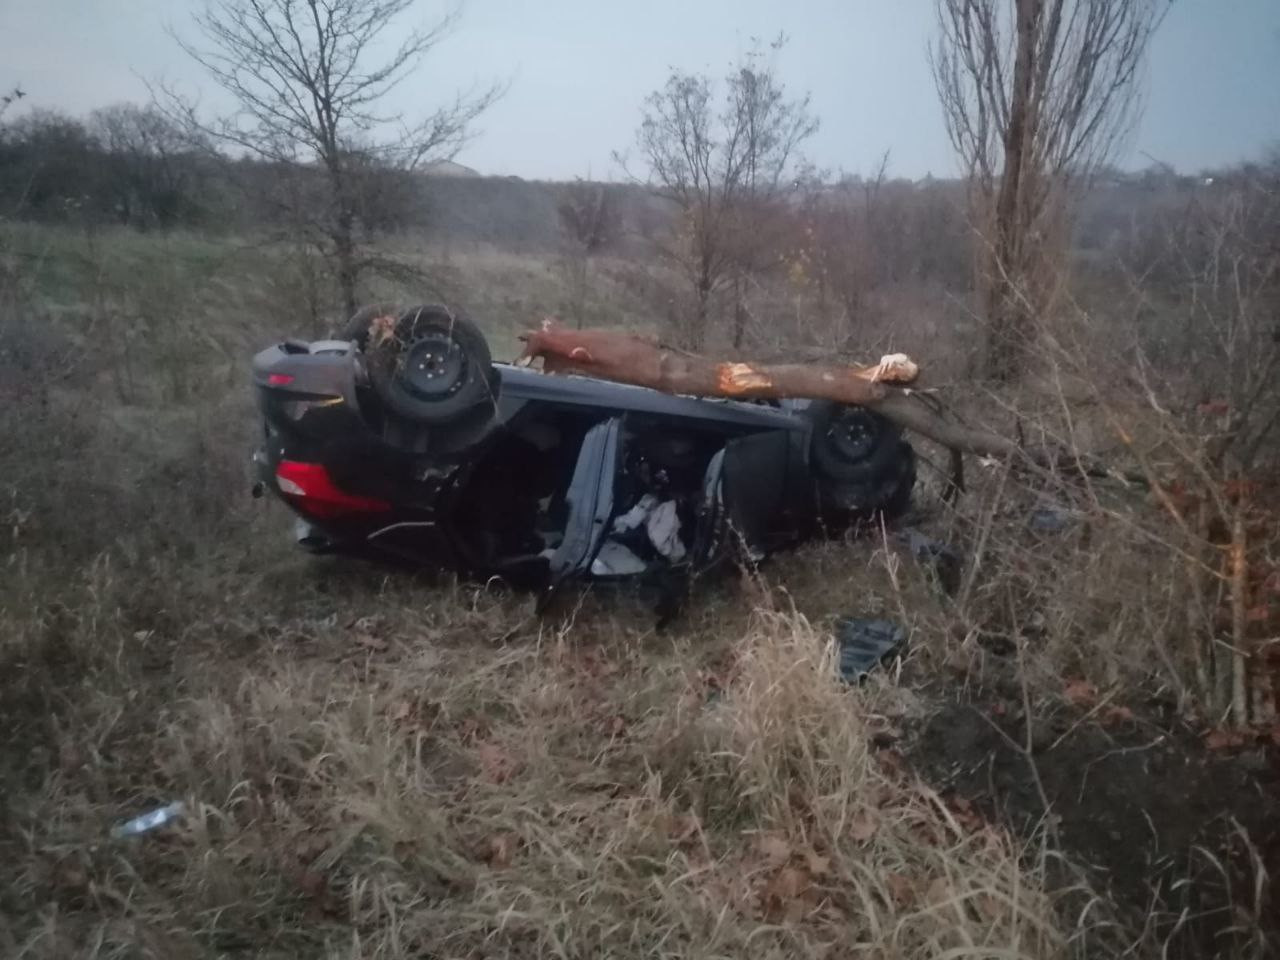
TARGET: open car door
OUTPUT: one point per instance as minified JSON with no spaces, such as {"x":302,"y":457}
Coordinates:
{"x":744,"y":493}
{"x":590,"y":498}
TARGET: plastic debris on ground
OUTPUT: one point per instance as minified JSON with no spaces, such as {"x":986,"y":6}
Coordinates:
{"x":864,"y":644}
{"x":943,"y":558}
{"x":149,"y":821}
{"x":1049,"y":519}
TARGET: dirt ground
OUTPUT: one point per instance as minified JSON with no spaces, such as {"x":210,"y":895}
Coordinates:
{"x":1176,"y":830}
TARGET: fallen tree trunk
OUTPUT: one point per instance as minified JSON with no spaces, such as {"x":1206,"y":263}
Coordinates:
{"x":644,"y":362}
{"x":628,"y":358}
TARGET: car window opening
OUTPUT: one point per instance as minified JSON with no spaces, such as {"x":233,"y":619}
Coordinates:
{"x":513,"y":508}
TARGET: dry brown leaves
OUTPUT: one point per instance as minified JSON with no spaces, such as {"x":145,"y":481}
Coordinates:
{"x":1117,"y":714}
{"x":863,"y":826}
{"x":496,"y":763}
{"x":789,"y":884}
{"x":1219,"y":739}
{"x":901,"y":890}
{"x":1080,"y":693}
{"x":322,"y":901}
{"x":499,"y":850}
{"x":962,"y":811}
{"x":370,"y":633}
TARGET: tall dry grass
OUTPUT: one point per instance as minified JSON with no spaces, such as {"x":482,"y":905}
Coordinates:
{"x":380,"y":766}
{"x":457,"y":781}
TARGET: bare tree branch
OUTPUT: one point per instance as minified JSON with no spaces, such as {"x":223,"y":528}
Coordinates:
{"x":720,"y":171}
{"x":1037,"y":94}
{"x":308,"y":77}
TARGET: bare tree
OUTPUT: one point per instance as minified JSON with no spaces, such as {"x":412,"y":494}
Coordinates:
{"x":720,"y":171}
{"x":771,"y":130}
{"x":309,"y":77}
{"x":1036,"y":94}
{"x":590,"y":221}
{"x":846,"y":235}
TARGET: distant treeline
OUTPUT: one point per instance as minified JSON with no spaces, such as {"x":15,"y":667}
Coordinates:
{"x":130,"y":165}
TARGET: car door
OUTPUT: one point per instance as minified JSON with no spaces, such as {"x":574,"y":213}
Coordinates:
{"x":590,"y":498}
{"x":744,"y":505}
{"x":755,"y":480}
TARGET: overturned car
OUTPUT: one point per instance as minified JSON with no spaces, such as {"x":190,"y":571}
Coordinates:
{"x":403,"y":439}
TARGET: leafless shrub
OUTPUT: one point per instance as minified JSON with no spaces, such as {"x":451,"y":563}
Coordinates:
{"x":723,"y":173}
{"x":1214,"y":404}
{"x":590,"y":222}
{"x":1183,"y":390}
{"x":867,"y":253}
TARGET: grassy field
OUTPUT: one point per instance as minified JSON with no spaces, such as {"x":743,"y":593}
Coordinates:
{"x":379,"y":764}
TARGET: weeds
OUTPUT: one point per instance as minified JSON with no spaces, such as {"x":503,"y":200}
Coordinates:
{"x":382,"y":766}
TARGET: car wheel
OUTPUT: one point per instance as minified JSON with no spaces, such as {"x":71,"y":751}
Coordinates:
{"x":432,"y":366}
{"x":887,"y":494}
{"x":852,"y":444}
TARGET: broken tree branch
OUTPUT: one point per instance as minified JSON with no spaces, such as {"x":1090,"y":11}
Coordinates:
{"x":644,"y":362}
{"x":884,"y":387}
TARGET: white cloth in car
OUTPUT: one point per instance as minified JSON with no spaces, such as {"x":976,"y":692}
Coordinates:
{"x":663,"y":527}
{"x":636,"y":515}
{"x":662,"y":524}
{"x":615,"y":560}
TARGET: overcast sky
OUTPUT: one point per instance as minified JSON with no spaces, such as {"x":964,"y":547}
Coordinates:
{"x":579,"y":70}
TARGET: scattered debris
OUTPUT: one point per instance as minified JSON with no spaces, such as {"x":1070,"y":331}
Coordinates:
{"x":1049,"y":519}
{"x":942,"y":558}
{"x":866,"y":643}
{"x":152,"y":820}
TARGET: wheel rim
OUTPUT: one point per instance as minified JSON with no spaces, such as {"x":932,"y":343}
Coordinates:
{"x":434,"y":367}
{"x":851,"y":436}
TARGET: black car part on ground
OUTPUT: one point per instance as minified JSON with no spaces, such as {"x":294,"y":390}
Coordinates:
{"x":404,"y":439}
{"x":862,"y":644}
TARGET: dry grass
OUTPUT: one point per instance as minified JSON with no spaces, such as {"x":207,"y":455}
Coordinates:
{"x":381,"y":766}
{"x":455,"y":780}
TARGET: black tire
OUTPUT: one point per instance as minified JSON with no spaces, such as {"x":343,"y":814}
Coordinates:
{"x":852,"y":444}
{"x":433,"y":368}
{"x":886,"y":495}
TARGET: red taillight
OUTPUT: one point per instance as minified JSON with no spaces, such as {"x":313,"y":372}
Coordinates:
{"x":309,"y":487}
{"x":279,"y":379}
